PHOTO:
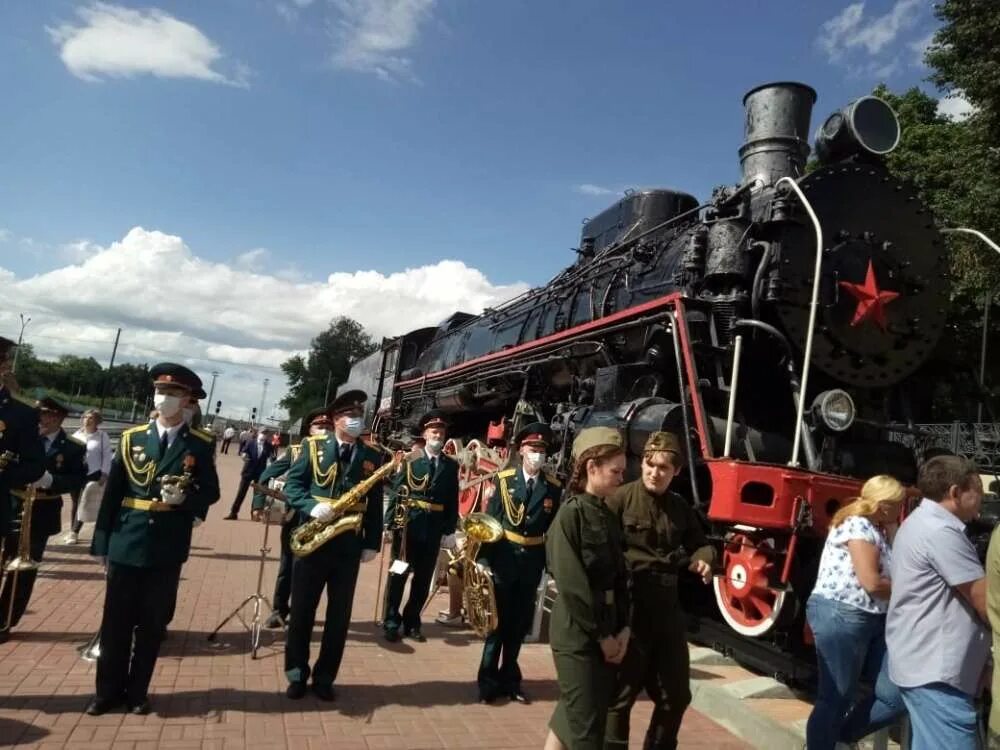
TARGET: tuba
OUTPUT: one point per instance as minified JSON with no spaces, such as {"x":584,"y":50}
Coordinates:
{"x":478,"y":595}
{"x":313,"y":534}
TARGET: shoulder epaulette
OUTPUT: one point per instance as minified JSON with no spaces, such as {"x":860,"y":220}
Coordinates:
{"x":75,"y":439}
{"x":205,"y":435}
{"x":552,"y":479}
{"x":507,"y":473}
{"x":137,"y":428}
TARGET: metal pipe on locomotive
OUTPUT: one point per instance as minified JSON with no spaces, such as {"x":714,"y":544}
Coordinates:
{"x":639,"y":334}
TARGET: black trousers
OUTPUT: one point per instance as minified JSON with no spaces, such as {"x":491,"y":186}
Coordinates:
{"x":136,"y":608}
{"x":224,"y":446}
{"x":515,"y":593}
{"x":334,"y":566}
{"x":422,"y":555}
{"x":283,"y":581}
{"x":241,"y":493}
{"x":23,"y":583}
{"x":657,"y":661}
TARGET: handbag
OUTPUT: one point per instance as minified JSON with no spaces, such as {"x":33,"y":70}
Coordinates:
{"x":90,"y":502}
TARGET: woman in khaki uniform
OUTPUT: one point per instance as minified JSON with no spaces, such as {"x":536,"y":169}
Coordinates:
{"x":588,"y":629}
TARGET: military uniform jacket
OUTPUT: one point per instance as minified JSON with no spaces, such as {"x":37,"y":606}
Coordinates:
{"x":662,"y":533}
{"x":277,"y":468}
{"x":316,"y":476}
{"x":133,"y":526}
{"x":586,"y":556}
{"x":19,"y":435}
{"x":525,"y":520}
{"x":434,"y":512}
{"x":66,"y":461}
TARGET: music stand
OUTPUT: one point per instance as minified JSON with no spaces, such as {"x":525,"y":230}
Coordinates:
{"x":254,"y":626}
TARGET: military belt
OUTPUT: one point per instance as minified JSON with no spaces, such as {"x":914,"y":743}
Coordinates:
{"x":425,"y":505}
{"x":22,"y":495}
{"x":153,"y":506}
{"x":524,"y":541}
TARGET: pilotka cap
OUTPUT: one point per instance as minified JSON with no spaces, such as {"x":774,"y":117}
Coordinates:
{"x":662,"y":441}
{"x":591,"y":437}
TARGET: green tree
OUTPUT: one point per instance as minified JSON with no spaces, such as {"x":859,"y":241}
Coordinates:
{"x":329,"y":361}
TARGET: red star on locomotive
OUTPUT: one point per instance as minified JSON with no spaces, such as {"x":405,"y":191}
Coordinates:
{"x":871,"y":300}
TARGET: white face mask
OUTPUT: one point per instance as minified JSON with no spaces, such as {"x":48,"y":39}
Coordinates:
{"x":434,"y":445}
{"x":168,"y":406}
{"x":353,"y":426}
{"x":533,"y":460}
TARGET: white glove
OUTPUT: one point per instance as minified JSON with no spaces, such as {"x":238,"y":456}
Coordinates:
{"x":171,"y":494}
{"x":196,"y":522}
{"x":367,"y":555}
{"x":450,"y":541}
{"x":44,"y":481}
{"x":322,"y":512}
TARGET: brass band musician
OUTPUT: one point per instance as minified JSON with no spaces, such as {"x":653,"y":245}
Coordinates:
{"x":428,"y":483}
{"x":328,"y":467}
{"x":21,"y":455}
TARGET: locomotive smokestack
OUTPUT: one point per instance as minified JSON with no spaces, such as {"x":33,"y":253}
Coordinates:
{"x":777,"y":131}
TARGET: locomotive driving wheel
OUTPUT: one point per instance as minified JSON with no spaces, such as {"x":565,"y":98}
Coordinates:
{"x":475,"y":461}
{"x":748,"y":601}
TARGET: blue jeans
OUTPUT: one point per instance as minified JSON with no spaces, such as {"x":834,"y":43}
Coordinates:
{"x":850,"y":648}
{"x":941,"y":717}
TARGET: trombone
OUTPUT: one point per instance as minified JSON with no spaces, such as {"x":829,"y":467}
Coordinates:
{"x":22,"y":563}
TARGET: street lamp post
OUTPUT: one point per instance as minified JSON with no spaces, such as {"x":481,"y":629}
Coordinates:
{"x":988,"y":302}
{"x":263,"y":394}
{"x":20,"y":338}
{"x":211,"y":391}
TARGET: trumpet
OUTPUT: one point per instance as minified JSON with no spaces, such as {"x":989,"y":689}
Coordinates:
{"x":276,"y":511}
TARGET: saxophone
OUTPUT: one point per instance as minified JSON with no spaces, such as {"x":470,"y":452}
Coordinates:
{"x":313,"y":534}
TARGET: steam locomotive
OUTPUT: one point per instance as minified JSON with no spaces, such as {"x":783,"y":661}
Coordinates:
{"x":778,"y":327}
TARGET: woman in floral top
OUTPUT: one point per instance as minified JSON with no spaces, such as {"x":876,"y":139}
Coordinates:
{"x":846,"y":612}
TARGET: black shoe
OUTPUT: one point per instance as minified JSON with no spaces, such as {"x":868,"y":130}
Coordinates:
{"x":274,"y":622}
{"x":485,"y":697}
{"x":142,"y":708}
{"x":324,"y":692}
{"x":163,"y":635}
{"x":230,"y":517}
{"x":391,"y":635}
{"x":518,"y":697}
{"x":296,"y":690}
{"x":416,"y":635}
{"x":100,"y":706}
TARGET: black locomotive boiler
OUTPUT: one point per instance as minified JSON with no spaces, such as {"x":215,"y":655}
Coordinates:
{"x":695,"y":317}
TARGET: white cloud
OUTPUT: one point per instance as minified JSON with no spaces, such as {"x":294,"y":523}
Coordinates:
{"x":919,"y":48}
{"x":373,"y":36}
{"x":252,"y":260}
{"x":588,"y":188}
{"x":870,"y":45}
{"x":955,"y":106}
{"x":79,"y":251}
{"x":173,"y":305}
{"x":5,"y":234}
{"x":116,"y":42}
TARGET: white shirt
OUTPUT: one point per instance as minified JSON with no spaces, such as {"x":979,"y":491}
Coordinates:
{"x":98,"y":450}
{"x":171,"y":432}
{"x":837,"y":579}
{"x":229,"y":434}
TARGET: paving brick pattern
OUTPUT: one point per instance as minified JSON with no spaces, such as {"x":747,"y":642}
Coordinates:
{"x":215,"y":697}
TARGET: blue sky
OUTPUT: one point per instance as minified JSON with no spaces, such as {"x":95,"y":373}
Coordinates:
{"x":310,"y":137}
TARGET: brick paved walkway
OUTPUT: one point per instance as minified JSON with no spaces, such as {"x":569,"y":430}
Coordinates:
{"x":209,"y":696}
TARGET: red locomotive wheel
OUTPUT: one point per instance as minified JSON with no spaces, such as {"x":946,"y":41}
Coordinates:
{"x":745,"y":597}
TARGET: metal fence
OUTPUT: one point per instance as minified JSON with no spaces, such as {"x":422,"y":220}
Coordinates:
{"x":979,"y":442}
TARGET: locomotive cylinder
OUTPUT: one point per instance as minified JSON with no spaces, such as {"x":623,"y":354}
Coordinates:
{"x":777,"y":132}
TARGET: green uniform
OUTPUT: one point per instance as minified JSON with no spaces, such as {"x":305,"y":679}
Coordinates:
{"x":517,"y":562}
{"x":586,"y":556}
{"x":283,"y":581}
{"x":433,"y":513}
{"x":993,"y":610}
{"x":323,"y":472}
{"x":146,"y":541}
{"x":25,"y":459}
{"x":66,"y":462}
{"x":663,"y":536}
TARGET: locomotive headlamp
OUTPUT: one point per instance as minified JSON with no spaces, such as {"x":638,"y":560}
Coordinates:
{"x":835,"y":408}
{"x":865,"y":126}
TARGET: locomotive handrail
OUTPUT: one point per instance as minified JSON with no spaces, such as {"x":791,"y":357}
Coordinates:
{"x":733,"y":385}
{"x":813,"y":307}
